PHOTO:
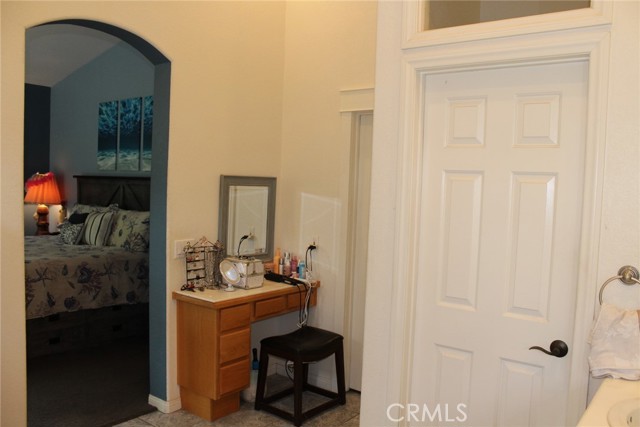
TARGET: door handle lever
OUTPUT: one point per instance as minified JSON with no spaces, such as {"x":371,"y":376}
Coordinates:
{"x":558,"y":349}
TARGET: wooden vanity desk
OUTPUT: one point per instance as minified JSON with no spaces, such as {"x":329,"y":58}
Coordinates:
{"x":214,"y":342}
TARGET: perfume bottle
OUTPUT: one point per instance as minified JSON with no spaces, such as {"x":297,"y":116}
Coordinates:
{"x":287,"y":264}
{"x":276,"y":261}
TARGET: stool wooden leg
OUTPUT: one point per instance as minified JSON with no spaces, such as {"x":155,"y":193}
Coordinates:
{"x":298,"y":385}
{"x":305,"y":376}
{"x":262,"y":379}
{"x":339,"y":357}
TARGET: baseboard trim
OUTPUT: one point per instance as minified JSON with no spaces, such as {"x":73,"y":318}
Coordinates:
{"x":165,"y":406}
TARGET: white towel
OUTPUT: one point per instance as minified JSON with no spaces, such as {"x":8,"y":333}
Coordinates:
{"x":615,"y":344}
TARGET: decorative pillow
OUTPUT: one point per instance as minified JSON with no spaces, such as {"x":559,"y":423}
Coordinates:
{"x":131,"y":230}
{"x":79,"y":208}
{"x":71,"y":234}
{"x":97,"y":228}
{"x":78,"y":218}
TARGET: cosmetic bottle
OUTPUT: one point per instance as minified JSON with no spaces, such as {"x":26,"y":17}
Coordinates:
{"x":276,"y":261}
{"x":281,"y":266}
{"x":301,"y":269}
{"x":287,"y":264}
{"x":294,"y":265}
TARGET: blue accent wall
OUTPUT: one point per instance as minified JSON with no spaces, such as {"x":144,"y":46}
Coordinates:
{"x":119,"y":73}
{"x":36,"y":129}
{"x":158,"y":253}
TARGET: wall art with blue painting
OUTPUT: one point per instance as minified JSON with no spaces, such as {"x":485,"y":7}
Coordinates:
{"x":124,"y":134}
{"x":147,"y":127}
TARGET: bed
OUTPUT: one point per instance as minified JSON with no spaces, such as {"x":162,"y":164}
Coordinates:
{"x":90,"y":283}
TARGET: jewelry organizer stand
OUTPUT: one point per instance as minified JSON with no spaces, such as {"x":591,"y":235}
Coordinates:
{"x":202,"y":260}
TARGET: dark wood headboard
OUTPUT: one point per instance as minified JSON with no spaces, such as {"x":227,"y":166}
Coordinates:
{"x":129,"y":192}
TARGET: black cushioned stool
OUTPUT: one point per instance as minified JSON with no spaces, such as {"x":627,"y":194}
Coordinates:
{"x":307,"y":344}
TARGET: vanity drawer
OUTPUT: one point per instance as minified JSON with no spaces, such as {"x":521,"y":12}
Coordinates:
{"x":270,"y":307}
{"x":294,"y":301}
{"x":235,"y":345}
{"x":235,"y":317}
{"x":235,"y":376}
{"x":297,"y":300}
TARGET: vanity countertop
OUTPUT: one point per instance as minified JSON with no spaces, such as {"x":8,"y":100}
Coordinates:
{"x":219,"y":298}
{"x":610,"y":392}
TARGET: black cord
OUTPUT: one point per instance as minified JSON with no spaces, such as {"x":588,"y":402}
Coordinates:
{"x":242,"y":239}
{"x":300,"y":307}
{"x":309,"y":264}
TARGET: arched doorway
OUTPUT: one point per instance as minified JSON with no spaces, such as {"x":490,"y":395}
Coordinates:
{"x":157,"y":255}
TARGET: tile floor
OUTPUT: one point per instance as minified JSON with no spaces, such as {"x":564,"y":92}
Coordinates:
{"x":347,"y":415}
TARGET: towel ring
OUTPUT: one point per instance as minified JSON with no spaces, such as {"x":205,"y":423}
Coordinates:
{"x":628,"y":275}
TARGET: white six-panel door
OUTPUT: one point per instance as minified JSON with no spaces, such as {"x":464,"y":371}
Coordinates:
{"x":499,"y":244}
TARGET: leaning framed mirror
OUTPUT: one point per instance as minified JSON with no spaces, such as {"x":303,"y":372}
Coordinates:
{"x":247,"y":216}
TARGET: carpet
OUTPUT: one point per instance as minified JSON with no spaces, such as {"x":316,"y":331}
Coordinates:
{"x":95,"y":387}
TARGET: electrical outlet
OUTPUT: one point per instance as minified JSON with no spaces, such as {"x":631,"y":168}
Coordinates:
{"x":315,"y":240}
{"x":179,"y":245}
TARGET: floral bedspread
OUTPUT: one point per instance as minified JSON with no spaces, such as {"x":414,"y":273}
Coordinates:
{"x":62,"y":277}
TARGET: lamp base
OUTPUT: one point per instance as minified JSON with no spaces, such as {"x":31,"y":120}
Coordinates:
{"x":42,"y":220}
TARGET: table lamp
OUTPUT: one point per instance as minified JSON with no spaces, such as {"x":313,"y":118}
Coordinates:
{"x":42,"y":190}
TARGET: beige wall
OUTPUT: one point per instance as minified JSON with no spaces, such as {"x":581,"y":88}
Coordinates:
{"x":226,"y":92}
{"x":330,"y":46}
{"x":231,"y":87}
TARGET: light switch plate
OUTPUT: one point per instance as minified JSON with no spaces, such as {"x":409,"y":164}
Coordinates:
{"x":179,"y":245}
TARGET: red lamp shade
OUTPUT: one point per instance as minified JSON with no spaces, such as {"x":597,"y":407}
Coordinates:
{"x":42,"y":189}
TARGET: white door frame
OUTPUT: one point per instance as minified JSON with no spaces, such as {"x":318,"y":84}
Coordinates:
{"x":353,"y":104}
{"x":590,"y":44}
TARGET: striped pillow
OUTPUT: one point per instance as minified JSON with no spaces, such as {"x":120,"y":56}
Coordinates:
{"x":97,"y":228}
